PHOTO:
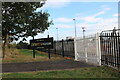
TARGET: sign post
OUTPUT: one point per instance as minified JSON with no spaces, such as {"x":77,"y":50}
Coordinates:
{"x":43,"y":43}
{"x":33,"y":53}
{"x":48,"y":50}
{"x":33,"y":50}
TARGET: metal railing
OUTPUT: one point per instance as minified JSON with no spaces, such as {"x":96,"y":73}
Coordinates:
{"x":110,"y":48}
{"x":64,"y":48}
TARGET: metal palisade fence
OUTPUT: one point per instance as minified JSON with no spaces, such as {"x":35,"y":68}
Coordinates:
{"x":88,"y":49}
{"x":64,"y":48}
{"x":110,"y":48}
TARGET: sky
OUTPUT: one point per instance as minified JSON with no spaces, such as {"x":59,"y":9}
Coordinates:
{"x":94,"y":16}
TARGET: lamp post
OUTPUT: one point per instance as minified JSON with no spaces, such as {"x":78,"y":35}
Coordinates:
{"x":75,"y":27}
{"x":76,"y":54}
{"x":83,"y":33}
{"x":84,"y":43}
{"x":57,"y":33}
{"x":56,"y":45}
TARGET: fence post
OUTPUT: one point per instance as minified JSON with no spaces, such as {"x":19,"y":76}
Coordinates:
{"x":118,"y":54}
{"x":62,"y":48}
{"x":97,"y":50}
{"x":86,"y":56}
{"x":98,"y":47}
{"x":55,"y":46}
{"x":85,"y":48}
{"x":75,"y":49}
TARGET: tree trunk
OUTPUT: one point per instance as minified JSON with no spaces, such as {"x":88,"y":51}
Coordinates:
{"x":4,"y":47}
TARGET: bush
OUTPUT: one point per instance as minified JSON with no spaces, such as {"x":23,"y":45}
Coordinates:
{"x":22,"y":45}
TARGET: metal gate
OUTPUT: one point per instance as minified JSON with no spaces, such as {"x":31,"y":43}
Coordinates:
{"x":110,"y":48}
{"x":88,"y":49}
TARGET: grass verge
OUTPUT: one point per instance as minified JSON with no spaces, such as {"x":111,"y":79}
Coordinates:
{"x":25,"y":55}
{"x":94,"y":72}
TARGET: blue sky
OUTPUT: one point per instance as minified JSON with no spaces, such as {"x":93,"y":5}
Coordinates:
{"x":94,"y":16}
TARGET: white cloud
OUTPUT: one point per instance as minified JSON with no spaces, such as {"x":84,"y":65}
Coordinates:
{"x":105,"y":9}
{"x":109,"y":21}
{"x":92,"y":23}
{"x":116,"y":15}
{"x":55,"y":3}
{"x":62,"y":3}
{"x":63,"y":20}
{"x":94,"y":18}
{"x":90,"y":19}
{"x":97,"y":27}
{"x":101,"y":22}
{"x":101,"y":12}
{"x":64,"y":26}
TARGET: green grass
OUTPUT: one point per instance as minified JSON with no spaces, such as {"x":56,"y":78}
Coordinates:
{"x":26,"y":55}
{"x":94,"y":72}
{"x":30,"y":52}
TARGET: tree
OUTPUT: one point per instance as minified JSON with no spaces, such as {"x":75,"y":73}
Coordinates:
{"x":37,"y":23}
{"x":22,"y":45}
{"x":17,"y":18}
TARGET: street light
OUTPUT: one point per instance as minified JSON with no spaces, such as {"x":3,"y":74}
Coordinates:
{"x":83,"y":32}
{"x":75,"y":27}
{"x":84,"y":37}
{"x":84,"y":43}
{"x":57,"y":33}
{"x":76,"y":58}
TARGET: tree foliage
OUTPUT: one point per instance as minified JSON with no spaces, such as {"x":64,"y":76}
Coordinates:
{"x":37,"y":23}
{"x":19,"y":19}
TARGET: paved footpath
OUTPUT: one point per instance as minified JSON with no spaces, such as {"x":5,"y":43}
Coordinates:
{"x":43,"y":66}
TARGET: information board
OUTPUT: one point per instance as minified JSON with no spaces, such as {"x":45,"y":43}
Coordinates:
{"x":43,"y":43}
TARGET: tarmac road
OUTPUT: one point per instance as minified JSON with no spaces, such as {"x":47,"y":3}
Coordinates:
{"x":43,"y":66}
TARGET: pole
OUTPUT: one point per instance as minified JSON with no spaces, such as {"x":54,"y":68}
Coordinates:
{"x":57,"y":33}
{"x":75,"y":27}
{"x":75,"y":40}
{"x":62,"y":48}
{"x":56,"y":45}
{"x":49,"y":51}
{"x":84,"y":43}
{"x":33,"y":50}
